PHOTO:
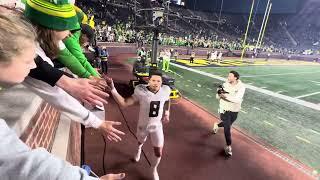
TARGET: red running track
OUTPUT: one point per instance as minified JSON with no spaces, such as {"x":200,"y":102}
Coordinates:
{"x":190,"y":151}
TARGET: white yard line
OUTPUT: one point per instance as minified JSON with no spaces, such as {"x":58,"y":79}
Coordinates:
{"x":268,"y":123}
{"x":317,"y":82}
{"x":280,"y":74}
{"x":306,"y":95}
{"x":243,"y":111}
{"x":197,"y":90}
{"x":316,"y":132}
{"x":282,"y":119}
{"x":257,"y":108}
{"x":264,"y":91}
{"x":303,"y":139}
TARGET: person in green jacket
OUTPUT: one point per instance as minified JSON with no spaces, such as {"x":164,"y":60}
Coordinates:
{"x":71,"y":54}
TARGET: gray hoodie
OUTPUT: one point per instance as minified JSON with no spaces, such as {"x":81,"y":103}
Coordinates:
{"x":19,"y":162}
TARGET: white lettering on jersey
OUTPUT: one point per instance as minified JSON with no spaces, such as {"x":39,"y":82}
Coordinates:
{"x":151,"y":105}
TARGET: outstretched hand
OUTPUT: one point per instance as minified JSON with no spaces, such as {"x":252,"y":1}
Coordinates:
{"x":87,"y":90}
{"x":113,"y":176}
{"x":109,"y":82}
{"x":112,"y":133}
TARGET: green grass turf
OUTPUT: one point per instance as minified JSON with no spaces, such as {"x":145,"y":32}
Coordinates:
{"x":266,"y":123}
{"x":294,"y":80}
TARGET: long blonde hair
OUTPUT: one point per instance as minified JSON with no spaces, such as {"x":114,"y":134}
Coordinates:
{"x":14,"y":30}
{"x":46,"y":41}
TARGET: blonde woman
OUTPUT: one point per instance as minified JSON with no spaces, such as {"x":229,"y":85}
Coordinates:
{"x":20,"y":162}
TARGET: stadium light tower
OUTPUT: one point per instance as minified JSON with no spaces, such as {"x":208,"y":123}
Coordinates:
{"x":157,"y":22}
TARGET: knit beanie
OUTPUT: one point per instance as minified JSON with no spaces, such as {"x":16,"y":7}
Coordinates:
{"x":82,"y":17}
{"x":52,"y":14}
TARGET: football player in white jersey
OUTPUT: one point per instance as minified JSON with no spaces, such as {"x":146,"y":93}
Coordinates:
{"x":154,"y":99}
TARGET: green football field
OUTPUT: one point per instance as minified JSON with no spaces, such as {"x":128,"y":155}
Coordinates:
{"x":302,"y":82}
{"x":293,"y":128}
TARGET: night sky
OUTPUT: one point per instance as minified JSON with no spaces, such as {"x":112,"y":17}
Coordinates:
{"x":243,"y":6}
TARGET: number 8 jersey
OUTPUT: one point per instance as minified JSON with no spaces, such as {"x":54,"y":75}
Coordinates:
{"x":151,"y":104}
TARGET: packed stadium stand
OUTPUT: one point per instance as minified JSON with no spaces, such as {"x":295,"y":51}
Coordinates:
{"x":200,"y":29}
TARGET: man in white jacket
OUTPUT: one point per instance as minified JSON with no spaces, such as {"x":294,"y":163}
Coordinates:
{"x":230,"y":97}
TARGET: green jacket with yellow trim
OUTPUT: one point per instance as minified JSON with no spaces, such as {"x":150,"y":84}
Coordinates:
{"x":73,"y":58}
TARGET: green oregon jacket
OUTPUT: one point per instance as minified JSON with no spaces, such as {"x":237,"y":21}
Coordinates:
{"x":74,"y":59}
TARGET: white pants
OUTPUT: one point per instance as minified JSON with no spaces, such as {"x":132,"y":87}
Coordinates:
{"x":156,"y":134}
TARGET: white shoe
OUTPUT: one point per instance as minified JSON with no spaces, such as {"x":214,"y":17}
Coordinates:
{"x":215,"y":128}
{"x":228,"y":150}
{"x":101,"y":108}
{"x":137,"y":157}
{"x":155,"y":174}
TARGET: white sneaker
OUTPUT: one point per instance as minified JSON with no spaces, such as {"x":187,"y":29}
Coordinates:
{"x":137,"y":157}
{"x":155,"y":174}
{"x":101,"y":108}
{"x":215,"y":128}
{"x":228,"y":150}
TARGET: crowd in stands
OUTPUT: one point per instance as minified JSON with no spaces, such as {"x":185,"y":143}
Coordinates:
{"x":198,"y":29}
{"x":52,"y":32}
{"x":56,"y":32}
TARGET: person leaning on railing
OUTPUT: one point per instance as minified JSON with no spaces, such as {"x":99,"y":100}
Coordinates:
{"x":18,"y":161}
